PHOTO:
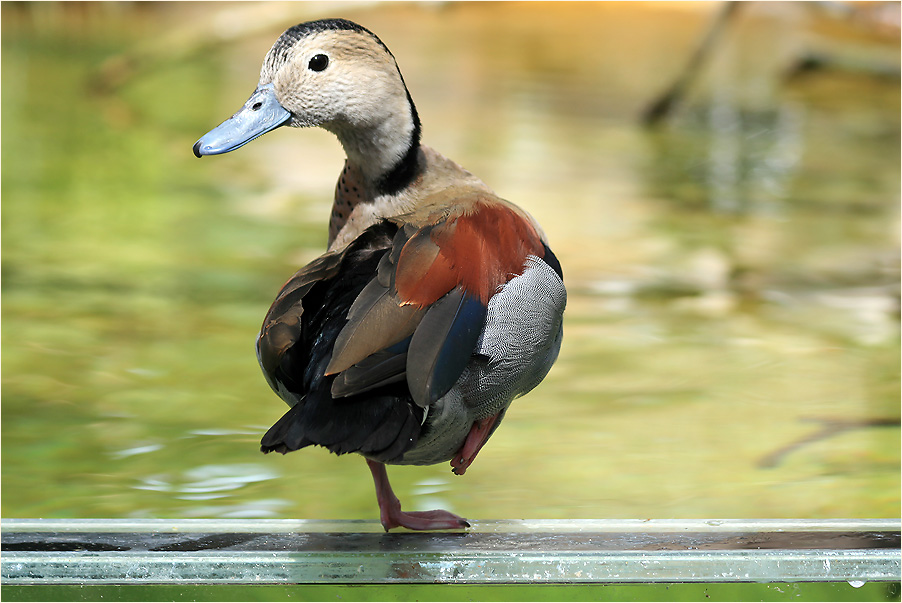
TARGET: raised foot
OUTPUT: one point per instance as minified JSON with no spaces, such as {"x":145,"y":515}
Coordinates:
{"x":476,"y":439}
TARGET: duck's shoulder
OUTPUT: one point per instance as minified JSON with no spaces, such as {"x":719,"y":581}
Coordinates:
{"x":437,"y":172}
{"x":445,"y":189}
{"x":462,"y":235}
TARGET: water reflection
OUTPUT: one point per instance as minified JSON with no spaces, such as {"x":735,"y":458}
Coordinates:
{"x":121,"y":454}
{"x":751,"y":158}
{"x":214,"y":482}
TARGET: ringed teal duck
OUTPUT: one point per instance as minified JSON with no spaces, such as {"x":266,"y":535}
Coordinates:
{"x":437,"y":302}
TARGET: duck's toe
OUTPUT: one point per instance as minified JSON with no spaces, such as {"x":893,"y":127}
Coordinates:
{"x":391,"y":515}
{"x":436,"y":519}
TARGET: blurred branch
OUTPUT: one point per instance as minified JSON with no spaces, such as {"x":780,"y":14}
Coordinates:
{"x":665,"y":104}
{"x":829,"y":428}
{"x":835,"y":30}
{"x":821,"y":61}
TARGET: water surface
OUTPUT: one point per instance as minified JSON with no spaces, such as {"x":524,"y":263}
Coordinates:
{"x":731,"y":340}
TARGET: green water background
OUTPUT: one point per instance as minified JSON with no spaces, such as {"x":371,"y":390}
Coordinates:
{"x":731,"y":340}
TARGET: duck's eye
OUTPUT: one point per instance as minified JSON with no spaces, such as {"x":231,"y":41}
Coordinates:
{"x":318,"y":62}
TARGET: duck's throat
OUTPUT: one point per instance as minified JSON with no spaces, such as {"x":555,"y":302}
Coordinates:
{"x":383,"y":161}
{"x":350,"y":192}
{"x":358,"y":204}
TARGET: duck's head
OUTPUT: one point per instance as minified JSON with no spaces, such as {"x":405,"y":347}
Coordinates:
{"x":331,"y":73}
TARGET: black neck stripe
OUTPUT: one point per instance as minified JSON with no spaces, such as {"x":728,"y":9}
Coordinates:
{"x":405,"y":171}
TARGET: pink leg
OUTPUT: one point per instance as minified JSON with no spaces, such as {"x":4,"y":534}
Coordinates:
{"x":392,"y":516}
{"x":476,"y":439}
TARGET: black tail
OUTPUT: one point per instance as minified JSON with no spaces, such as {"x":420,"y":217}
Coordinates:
{"x":286,"y":435}
{"x":382,"y":426}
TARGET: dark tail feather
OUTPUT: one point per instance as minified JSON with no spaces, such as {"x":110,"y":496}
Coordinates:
{"x":381,"y":427}
{"x":287,"y":434}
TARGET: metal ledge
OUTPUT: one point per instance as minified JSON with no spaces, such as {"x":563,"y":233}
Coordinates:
{"x":102,"y":551}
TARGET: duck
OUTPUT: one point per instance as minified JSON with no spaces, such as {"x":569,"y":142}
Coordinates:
{"x":436,"y":302}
